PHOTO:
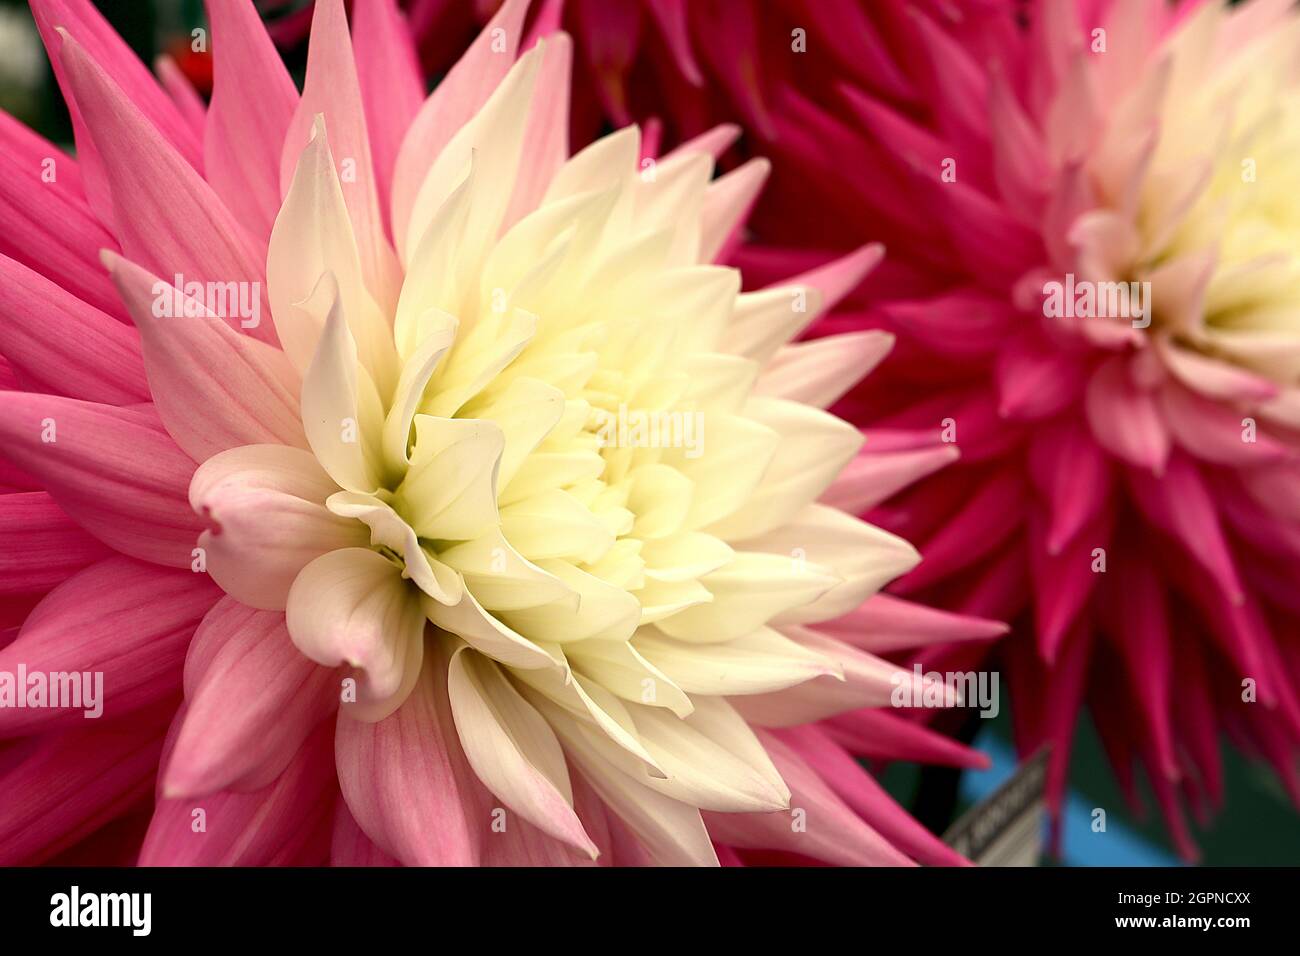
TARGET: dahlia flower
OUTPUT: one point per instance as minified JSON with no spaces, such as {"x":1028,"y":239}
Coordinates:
{"x":499,"y":541}
{"x":1127,"y":490}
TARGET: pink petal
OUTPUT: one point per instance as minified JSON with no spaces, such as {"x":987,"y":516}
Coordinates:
{"x":183,"y":95}
{"x":332,"y":89}
{"x":964,"y":324}
{"x":671,"y":17}
{"x":214,"y":388}
{"x":286,"y":823}
{"x":168,"y":219}
{"x":349,"y":846}
{"x":253,"y":100}
{"x":989,"y":515}
{"x":1182,"y":507}
{"x":120,"y":66}
{"x":1126,"y":419}
{"x":880,"y":735}
{"x":1064,"y":580}
{"x":128,"y":620}
{"x":860,"y":791}
{"x":874,"y":475}
{"x":47,"y":226}
{"x":1036,"y":378}
{"x":114,"y":471}
{"x":837,"y":278}
{"x":1215,"y":433}
{"x":243,"y":676}
{"x":833,"y":832}
{"x":70,"y":784}
{"x":887,"y":623}
{"x":406,"y":780}
{"x":1073,"y":475}
{"x":266,"y":515}
{"x":40,"y":546}
{"x":75,"y":349}
{"x":392,"y":86}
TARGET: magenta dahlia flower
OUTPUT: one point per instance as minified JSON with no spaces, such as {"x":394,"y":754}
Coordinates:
{"x":1091,"y":220}
{"x":416,"y":492}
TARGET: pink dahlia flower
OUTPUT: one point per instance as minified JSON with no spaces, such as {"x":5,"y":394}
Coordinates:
{"x":1091,"y":220}
{"x":419,"y":492}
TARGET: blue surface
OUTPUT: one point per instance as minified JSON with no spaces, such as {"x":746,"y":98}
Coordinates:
{"x":1118,"y":846}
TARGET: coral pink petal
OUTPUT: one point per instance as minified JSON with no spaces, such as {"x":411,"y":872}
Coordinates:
{"x":1126,"y":420}
{"x":349,"y":846}
{"x":830,"y":830}
{"x":89,"y":458}
{"x":406,"y":780}
{"x":243,"y":675}
{"x":859,"y":790}
{"x":44,"y":221}
{"x":68,"y":785}
{"x":887,"y":623}
{"x":875,"y":474}
{"x":837,"y":278}
{"x":286,"y":823}
{"x":392,"y":87}
{"x":168,"y":218}
{"x":123,"y":69}
{"x":130,"y":621}
{"x":40,"y":546}
{"x":880,"y":735}
{"x":75,"y":350}
{"x":253,"y":100}
{"x":214,"y":388}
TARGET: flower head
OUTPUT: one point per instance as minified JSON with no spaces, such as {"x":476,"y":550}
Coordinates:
{"x":512,"y":509}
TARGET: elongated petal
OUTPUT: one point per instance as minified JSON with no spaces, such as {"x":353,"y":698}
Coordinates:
{"x":453,"y":102}
{"x":405,"y":778}
{"x":47,"y":225}
{"x":512,"y":749}
{"x":332,"y":90}
{"x":829,"y":830}
{"x":75,"y":782}
{"x":75,"y":349}
{"x":214,"y":388}
{"x":253,"y":100}
{"x":285,"y":823}
{"x":243,"y":674}
{"x":40,"y":546}
{"x":89,"y":458}
{"x":168,"y":219}
{"x":127,"y":620}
